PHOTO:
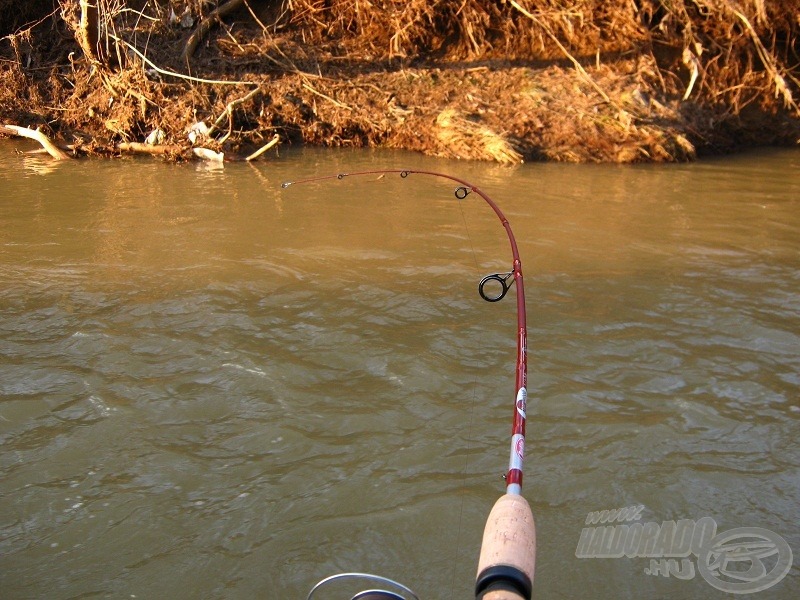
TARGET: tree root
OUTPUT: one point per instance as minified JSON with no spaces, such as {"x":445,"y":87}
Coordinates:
{"x":205,"y":26}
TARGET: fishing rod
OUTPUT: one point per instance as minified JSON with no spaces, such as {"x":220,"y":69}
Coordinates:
{"x":508,"y":551}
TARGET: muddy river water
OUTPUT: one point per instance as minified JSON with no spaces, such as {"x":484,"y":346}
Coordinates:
{"x":212,"y":387}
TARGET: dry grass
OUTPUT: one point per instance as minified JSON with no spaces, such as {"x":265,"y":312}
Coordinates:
{"x":464,"y":138}
{"x":573,"y":80}
{"x":738,"y":51}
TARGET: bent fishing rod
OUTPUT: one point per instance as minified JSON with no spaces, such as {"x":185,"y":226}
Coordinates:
{"x":508,"y":552}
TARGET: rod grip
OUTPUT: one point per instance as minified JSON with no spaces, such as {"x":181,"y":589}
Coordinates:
{"x":508,"y":552}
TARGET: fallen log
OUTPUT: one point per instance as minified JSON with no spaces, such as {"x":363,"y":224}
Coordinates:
{"x":169,"y":149}
{"x":37,"y":135}
{"x":156,"y":150}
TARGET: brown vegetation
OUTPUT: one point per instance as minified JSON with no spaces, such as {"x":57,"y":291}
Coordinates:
{"x":505,"y":80}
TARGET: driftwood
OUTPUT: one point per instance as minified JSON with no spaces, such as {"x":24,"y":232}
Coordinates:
{"x":275,"y":139}
{"x":155,"y":150}
{"x":37,"y":135}
{"x":132,"y":147}
{"x":199,"y":152}
{"x":167,"y":149}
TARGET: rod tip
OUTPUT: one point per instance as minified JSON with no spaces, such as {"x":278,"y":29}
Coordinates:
{"x":286,"y":184}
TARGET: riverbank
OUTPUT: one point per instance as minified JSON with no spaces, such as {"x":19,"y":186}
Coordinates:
{"x":493,"y":82}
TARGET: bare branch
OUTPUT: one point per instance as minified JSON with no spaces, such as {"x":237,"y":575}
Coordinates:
{"x":205,"y":26}
{"x":37,"y":135}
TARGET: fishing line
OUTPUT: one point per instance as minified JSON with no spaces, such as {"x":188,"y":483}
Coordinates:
{"x":461,"y":195}
{"x":492,"y":288}
{"x":505,"y":281}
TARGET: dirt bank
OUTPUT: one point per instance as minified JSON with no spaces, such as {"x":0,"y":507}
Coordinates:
{"x":508,"y":81}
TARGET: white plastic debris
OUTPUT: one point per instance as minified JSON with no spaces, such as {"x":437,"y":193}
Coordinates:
{"x":207,"y":154}
{"x":155,"y":137}
{"x":198,"y":132}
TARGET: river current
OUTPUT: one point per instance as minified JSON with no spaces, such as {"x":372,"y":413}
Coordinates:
{"x":214,"y":387}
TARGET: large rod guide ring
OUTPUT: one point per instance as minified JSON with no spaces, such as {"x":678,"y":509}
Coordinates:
{"x":495,"y":278}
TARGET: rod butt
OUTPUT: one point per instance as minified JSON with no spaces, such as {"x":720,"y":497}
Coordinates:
{"x":508,"y":551}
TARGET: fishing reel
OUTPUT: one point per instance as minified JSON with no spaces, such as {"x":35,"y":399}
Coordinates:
{"x":396,"y":591}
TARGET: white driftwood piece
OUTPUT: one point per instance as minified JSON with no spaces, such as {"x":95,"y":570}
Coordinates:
{"x":37,"y":135}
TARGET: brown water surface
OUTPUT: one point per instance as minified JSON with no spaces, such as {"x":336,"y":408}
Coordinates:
{"x":211,"y":387}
